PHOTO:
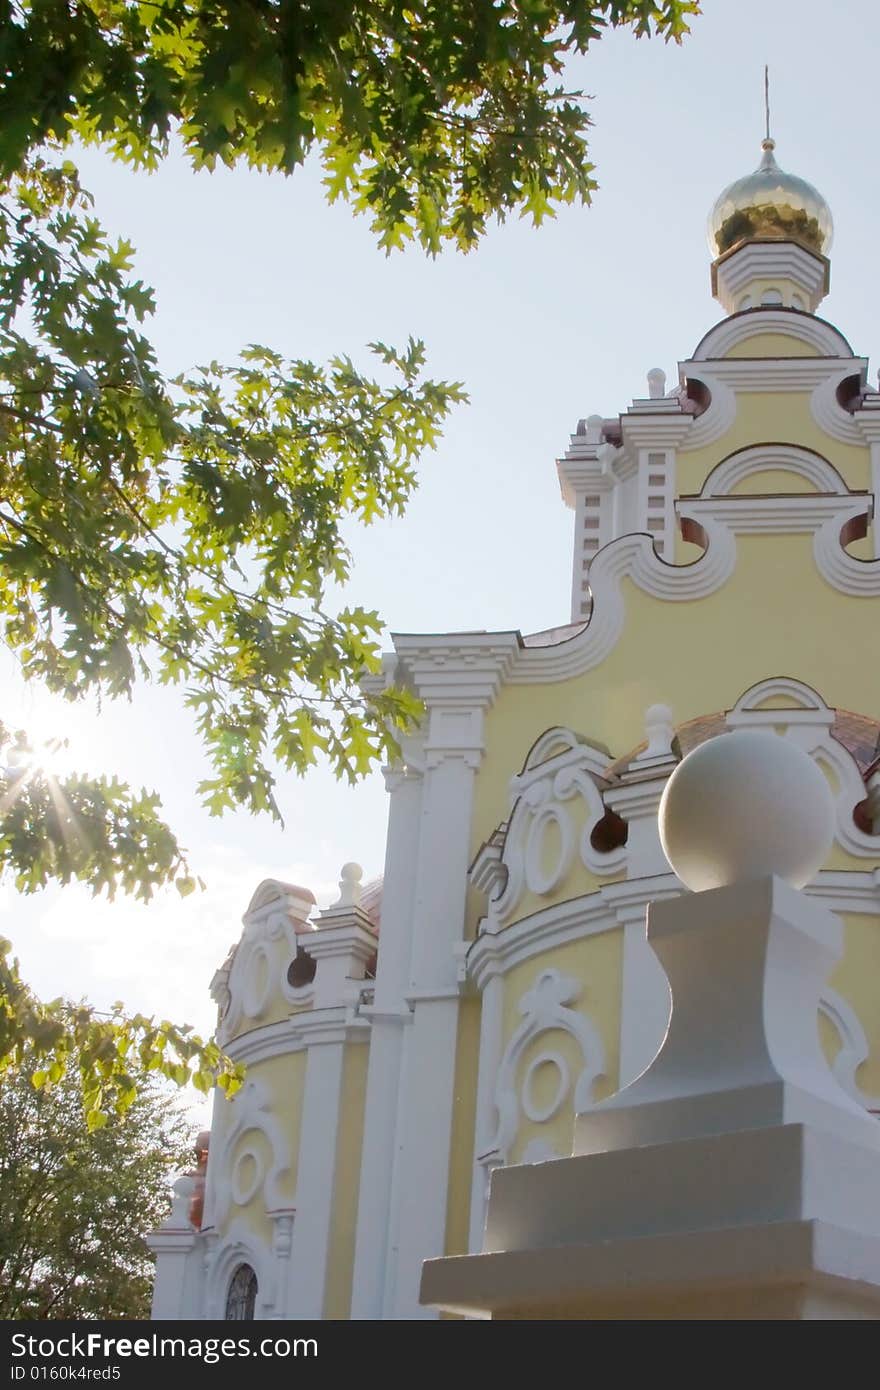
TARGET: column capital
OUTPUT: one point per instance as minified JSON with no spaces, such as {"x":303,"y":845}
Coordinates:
{"x":457,"y":670}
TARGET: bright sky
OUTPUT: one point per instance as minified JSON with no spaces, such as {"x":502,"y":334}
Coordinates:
{"x":542,"y":326}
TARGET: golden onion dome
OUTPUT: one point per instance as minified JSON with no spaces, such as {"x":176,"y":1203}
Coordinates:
{"x":770,"y":204}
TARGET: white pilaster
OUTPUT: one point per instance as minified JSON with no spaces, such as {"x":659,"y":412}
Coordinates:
{"x":316,"y":1169}
{"x":425,"y":1121}
{"x":491,"y":1041}
{"x":389,"y":1015}
{"x":177,"y":1286}
{"x":458,"y":679}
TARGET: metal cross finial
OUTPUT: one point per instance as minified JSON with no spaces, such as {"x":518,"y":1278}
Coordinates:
{"x":766,"y":102}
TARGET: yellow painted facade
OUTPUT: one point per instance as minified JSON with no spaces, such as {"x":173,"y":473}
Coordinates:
{"x":772,"y":345}
{"x":282,"y":1079}
{"x":346,"y":1183}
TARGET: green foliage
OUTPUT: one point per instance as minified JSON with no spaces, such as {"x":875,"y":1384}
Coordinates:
{"x":186,"y":531}
{"x":429,"y":115}
{"x":76,"y":1203}
{"x":93,"y":829}
{"x":181,"y":532}
{"x":53,"y":1041}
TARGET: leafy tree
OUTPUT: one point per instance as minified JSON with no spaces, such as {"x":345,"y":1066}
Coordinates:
{"x":179,"y":531}
{"x":187,"y":530}
{"x":75,"y":1206}
{"x":431,"y":115}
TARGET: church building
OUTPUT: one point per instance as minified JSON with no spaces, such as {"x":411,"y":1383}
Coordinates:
{"x":461,"y":1013}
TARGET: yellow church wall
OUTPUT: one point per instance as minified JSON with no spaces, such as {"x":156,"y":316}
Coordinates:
{"x":770,"y":483}
{"x":771,"y":344}
{"x":252,"y":1213}
{"x":284,"y":1080}
{"x":779,"y":417}
{"x":698,"y":657}
{"x":461,"y":1149}
{"x":577,"y":882}
{"x":346,"y":1182}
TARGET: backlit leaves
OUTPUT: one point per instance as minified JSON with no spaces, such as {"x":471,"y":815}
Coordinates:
{"x":184,"y":532}
{"x":430,"y":116}
{"x":107,"y":1050}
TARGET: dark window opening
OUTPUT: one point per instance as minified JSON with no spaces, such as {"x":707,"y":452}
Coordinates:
{"x":301,"y":970}
{"x":241,"y":1300}
{"x":609,"y":833}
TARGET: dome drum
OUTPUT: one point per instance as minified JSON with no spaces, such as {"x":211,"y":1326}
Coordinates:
{"x":767,"y":273}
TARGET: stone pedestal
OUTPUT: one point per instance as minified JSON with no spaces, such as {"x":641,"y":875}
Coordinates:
{"x":779,"y":1222}
{"x":733,"y":1179}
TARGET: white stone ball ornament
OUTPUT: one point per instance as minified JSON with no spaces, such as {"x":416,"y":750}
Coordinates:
{"x":744,"y":805}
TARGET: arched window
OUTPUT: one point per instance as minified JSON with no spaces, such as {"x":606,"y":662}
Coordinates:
{"x":241,"y":1299}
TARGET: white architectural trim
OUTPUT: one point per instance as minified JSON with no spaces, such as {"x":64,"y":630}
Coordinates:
{"x":810,"y":728}
{"x":827,"y":411}
{"x":717,"y":418}
{"x":778,"y":374}
{"x":388,"y":1016}
{"x":719,"y":520}
{"x":810,"y":704}
{"x":630,"y":557}
{"x":780,"y":458}
{"x":742,"y":266}
{"x":542,"y":794}
{"x":544,"y":1007}
{"x":456,"y":674}
{"x":245,"y":985}
{"x":240,"y":1245}
{"x":730,"y":332}
{"x":854,"y":1050}
{"x":605,"y":909}
{"x":315,"y":1180}
{"x":488,"y":1062}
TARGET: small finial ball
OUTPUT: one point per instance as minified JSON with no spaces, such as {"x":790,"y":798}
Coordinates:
{"x":351,"y":873}
{"x":656,"y":383}
{"x":744,"y":805}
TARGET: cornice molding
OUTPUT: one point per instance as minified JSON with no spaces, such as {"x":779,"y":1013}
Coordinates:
{"x":591,"y":914}
{"x":459,"y":670}
{"x":766,"y":374}
{"x":647,"y":430}
{"x":582,"y":474}
{"x":494,"y":954}
{"x":339,"y":1023}
{"x":272,"y":1040}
